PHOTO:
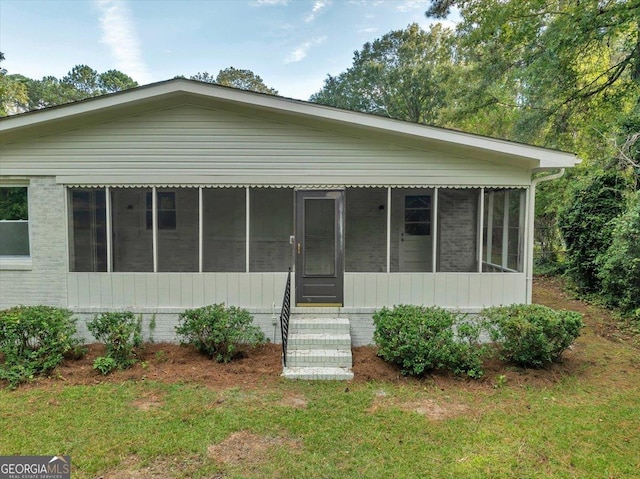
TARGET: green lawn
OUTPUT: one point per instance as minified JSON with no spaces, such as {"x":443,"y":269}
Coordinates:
{"x":583,"y":424}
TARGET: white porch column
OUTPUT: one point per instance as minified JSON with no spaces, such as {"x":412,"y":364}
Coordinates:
{"x":154,"y":222}
{"x":109,"y":226}
{"x":388,"y":229}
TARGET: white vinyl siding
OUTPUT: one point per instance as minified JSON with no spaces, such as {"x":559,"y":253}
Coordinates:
{"x":261,"y":291}
{"x":190,"y":144}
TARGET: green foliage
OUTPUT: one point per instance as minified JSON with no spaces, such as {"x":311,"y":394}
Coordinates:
{"x":34,"y":340}
{"x":13,"y":93}
{"x":619,"y":272}
{"x":121,"y":333}
{"x":236,"y":78}
{"x":586,"y":225}
{"x":420,"y":339}
{"x":532,"y":335}
{"x":105,"y":364}
{"x":24,"y":94}
{"x":218,"y":331}
{"x":401,"y":75}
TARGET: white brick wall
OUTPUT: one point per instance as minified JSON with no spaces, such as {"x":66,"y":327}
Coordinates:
{"x":45,"y":283}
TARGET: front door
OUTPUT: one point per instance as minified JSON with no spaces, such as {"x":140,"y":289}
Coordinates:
{"x":319,"y":248}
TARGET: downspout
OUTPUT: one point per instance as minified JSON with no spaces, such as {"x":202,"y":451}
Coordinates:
{"x":530,"y":227}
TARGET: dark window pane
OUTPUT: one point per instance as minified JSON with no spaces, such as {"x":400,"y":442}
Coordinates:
{"x":14,"y":203}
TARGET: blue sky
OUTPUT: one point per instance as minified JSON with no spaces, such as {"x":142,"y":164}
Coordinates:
{"x":291,"y":44}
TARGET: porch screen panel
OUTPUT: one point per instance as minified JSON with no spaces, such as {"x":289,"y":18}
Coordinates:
{"x":366,"y":230}
{"x":177,"y":211}
{"x":411,"y":230}
{"x":132,"y":239}
{"x":503,"y":228}
{"x":88,"y":230}
{"x":224,"y":229}
{"x":270,"y":226}
{"x":458,"y":230}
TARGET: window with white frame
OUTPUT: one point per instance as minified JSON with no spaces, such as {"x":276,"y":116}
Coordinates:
{"x":14,"y":221}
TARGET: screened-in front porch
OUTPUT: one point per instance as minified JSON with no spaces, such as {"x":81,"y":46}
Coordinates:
{"x":190,"y":246}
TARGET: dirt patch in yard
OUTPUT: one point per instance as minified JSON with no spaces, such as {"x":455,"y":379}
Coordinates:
{"x":160,"y":468}
{"x":261,"y":367}
{"x":435,"y":410}
{"x":247,"y":448}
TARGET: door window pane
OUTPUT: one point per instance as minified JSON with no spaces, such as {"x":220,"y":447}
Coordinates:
{"x":319,"y":236}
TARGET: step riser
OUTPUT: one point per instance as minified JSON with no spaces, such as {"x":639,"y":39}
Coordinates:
{"x":306,"y":329}
{"x":293,"y":345}
{"x":318,"y":374}
{"x":319,"y":341}
{"x":324,"y":363}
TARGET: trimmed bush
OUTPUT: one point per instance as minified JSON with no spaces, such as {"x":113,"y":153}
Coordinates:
{"x":121,"y":334}
{"x":420,"y":339}
{"x":34,"y":340}
{"x":532,"y":335}
{"x":218,"y":331}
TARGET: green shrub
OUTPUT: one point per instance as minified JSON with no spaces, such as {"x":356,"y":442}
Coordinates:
{"x":419,"y":339}
{"x":34,"y":340}
{"x":620,"y":266}
{"x":218,"y":331}
{"x":121,"y":334}
{"x":531,"y":335}
{"x":586,"y":225}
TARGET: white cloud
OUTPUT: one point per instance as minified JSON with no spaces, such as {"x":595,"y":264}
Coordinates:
{"x":269,"y":3}
{"x":118,"y":33}
{"x":368,"y":30}
{"x":317,"y":7}
{"x":409,"y":5}
{"x":300,"y":52}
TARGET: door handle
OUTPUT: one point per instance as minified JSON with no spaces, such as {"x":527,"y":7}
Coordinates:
{"x":298,"y":248}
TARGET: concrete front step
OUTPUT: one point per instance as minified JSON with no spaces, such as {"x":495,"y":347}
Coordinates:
{"x":341,"y":341}
{"x":318,"y":373}
{"x":319,"y":357}
{"x":321,"y":325}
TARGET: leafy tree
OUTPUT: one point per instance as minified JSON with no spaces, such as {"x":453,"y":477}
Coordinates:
{"x":13,"y":93}
{"x":236,"y":78}
{"x":587,"y":225}
{"x":565,"y":71}
{"x":619,"y":271}
{"x":79,"y":83}
{"x":401,"y":75}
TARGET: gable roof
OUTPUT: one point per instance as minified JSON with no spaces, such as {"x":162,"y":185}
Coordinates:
{"x":180,"y":89}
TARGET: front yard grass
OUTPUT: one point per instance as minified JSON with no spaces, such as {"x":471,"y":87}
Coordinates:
{"x":584,"y":424}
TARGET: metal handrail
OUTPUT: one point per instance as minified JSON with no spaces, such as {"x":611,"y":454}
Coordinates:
{"x":284,"y":317}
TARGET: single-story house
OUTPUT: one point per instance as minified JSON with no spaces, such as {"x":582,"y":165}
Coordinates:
{"x":180,"y":194}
